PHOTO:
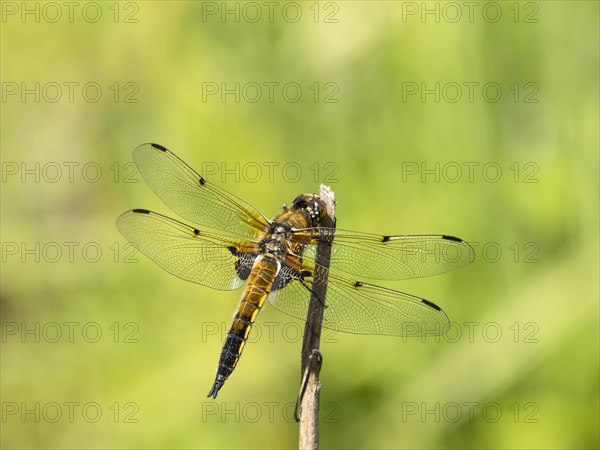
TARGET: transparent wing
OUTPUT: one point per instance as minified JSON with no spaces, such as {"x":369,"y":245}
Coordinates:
{"x":193,"y":255}
{"x":187,"y":193}
{"x":391,"y":257}
{"x":360,"y":308}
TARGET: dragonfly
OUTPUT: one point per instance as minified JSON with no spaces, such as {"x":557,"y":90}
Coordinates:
{"x":231,"y":244}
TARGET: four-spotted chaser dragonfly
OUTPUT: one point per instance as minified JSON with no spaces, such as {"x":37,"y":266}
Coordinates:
{"x":276,"y":258}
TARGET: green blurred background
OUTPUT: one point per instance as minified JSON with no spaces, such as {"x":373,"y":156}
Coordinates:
{"x":520,"y":368}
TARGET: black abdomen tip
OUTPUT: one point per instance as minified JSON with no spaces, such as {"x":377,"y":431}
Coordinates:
{"x":216,"y":387}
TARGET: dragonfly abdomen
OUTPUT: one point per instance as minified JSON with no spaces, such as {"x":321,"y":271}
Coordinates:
{"x":260,"y":283}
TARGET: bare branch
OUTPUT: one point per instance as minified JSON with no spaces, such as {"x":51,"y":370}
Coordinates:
{"x":311,"y":356}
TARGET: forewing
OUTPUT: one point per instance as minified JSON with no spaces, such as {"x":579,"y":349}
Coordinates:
{"x":391,"y":257}
{"x":361,"y":308}
{"x":186,"y":252}
{"x":187,"y":193}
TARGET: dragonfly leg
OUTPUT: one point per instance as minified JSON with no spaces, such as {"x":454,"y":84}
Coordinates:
{"x":317,"y":357}
{"x":310,"y":289}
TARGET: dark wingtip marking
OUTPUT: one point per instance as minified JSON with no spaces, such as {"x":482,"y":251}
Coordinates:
{"x":202,"y":181}
{"x":159,"y":147}
{"x":196,"y":231}
{"x":386,"y":239}
{"x":358,"y":284}
{"x":451,"y":238}
{"x":433,"y":305}
{"x":140,"y":211}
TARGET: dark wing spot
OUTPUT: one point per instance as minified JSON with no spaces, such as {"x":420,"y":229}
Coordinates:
{"x":285,"y":277}
{"x":159,"y":147}
{"x":433,"y":305}
{"x":244,"y":262}
{"x":385,"y":239}
{"x":140,"y":211}
{"x":202,"y":181}
{"x":196,"y":231}
{"x":305,"y":274}
{"x":358,"y":284}
{"x":452,"y":238}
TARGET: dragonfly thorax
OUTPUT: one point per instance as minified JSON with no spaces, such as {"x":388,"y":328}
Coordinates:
{"x":280,"y":239}
{"x":276,"y":241}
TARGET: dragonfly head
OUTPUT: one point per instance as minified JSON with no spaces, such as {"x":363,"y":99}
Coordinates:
{"x":310,"y":205}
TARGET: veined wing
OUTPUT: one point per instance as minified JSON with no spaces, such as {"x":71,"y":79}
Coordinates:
{"x":187,"y":193}
{"x":205,"y":258}
{"x":360,"y":308}
{"x":391,"y":257}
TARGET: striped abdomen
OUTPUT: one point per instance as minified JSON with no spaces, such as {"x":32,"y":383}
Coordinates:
{"x":260,"y":283}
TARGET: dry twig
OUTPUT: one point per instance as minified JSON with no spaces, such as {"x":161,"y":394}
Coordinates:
{"x":311,"y":356}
